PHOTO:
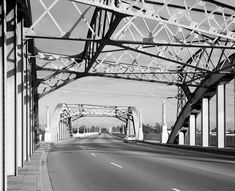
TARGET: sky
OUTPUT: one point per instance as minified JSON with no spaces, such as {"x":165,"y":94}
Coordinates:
{"x":146,"y":96}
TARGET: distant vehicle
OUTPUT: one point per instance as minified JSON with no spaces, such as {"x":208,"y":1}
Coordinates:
{"x":130,"y":139}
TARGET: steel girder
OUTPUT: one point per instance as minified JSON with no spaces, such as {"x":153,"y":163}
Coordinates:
{"x":207,"y":89}
{"x":76,"y":111}
{"x":67,"y":113}
{"x":171,"y":42}
{"x":180,"y":43}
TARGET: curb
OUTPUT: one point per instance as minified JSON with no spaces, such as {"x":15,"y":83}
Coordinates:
{"x":45,"y":182}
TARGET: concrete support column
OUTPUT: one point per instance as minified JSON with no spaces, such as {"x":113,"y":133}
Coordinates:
{"x":59,"y":130}
{"x":19,"y":80}
{"x":220,"y":115}
{"x":25,"y":108}
{"x":205,"y":122}
{"x":60,"y":127}
{"x":62,"y":130}
{"x":64,"y":136}
{"x":65,"y":130}
{"x":30,"y":116}
{"x":28,"y":98}
{"x":181,"y":138}
{"x":192,"y":130}
{"x":140,"y":134}
{"x":130,"y":127}
{"x":164,"y":133}
{"x":10,"y":110}
{"x":3,"y":177}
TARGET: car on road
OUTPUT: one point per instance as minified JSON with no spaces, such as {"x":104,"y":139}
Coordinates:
{"x":130,"y":139}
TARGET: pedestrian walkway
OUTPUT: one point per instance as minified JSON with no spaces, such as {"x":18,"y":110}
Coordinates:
{"x":34,"y":174}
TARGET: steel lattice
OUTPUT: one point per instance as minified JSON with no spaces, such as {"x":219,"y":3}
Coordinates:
{"x":165,"y":41}
{"x":76,"y":111}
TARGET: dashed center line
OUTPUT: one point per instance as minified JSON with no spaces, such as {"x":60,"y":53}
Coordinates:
{"x":93,"y":154}
{"x":175,"y":189}
{"x":114,"y":164}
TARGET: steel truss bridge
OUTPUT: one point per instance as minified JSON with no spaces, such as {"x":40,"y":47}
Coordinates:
{"x":46,"y":45}
{"x":65,"y":114}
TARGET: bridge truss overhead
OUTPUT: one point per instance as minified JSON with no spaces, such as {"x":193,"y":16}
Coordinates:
{"x":172,"y":42}
{"x":180,"y":43}
{"x":76,"y":111}
{"x":67,"y":113}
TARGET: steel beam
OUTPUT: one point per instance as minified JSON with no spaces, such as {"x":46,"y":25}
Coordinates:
{"x":206,"y":87}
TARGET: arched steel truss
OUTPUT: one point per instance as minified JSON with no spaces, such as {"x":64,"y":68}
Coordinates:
{"x":76,"y":111}
{"x":189,"y":44}
{"x":67,"y":113}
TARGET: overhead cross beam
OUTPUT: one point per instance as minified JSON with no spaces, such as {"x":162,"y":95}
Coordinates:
{"x":76,"y":111}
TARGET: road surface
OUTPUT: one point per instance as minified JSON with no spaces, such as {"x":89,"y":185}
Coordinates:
{"x":105,"y":163}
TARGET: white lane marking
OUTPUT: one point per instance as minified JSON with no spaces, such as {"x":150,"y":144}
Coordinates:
{"x":93,"y":154}
{"x":175,"y":189}
{"x":114,"y":164}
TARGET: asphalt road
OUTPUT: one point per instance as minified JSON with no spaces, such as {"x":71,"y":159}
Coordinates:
{"x":105,"y":163}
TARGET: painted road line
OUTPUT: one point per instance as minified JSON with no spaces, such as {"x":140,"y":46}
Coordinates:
{"x":175,"y":189}
{"x":93,"y":154}
{"x":114,"y":164}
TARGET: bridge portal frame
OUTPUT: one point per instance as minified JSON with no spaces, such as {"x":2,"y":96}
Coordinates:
{"x":64,"y":114}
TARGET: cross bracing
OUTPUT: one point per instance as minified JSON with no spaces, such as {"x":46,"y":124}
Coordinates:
{"x":182,"y":43}
{"x":171,"y":42}
{"x":76,"y":111}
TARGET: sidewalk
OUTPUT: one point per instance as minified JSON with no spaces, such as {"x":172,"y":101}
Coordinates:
{"x":222,"y":151}
{"x":34,"y":175}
